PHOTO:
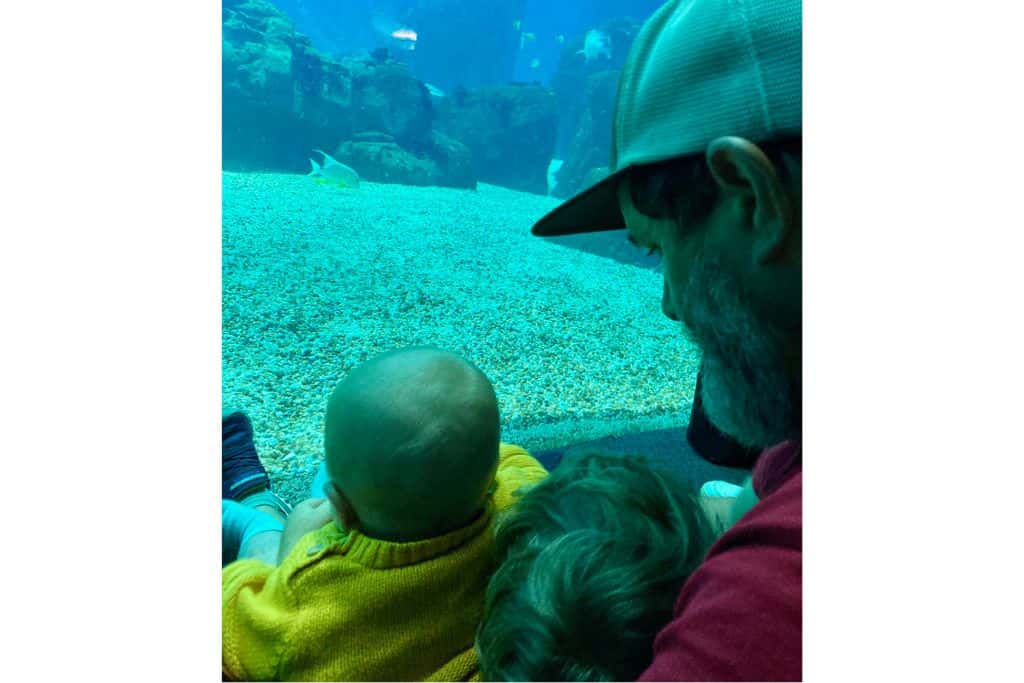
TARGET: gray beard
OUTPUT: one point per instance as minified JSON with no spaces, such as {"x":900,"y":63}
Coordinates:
{"x":746,"y":388}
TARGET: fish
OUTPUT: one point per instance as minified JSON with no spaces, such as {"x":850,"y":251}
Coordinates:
{"x":525,"y":38}
{"x":560,"y":39}
{"x":535,"y":63}
{"x":517,"y":24}
{"x":434,"y":90}
{"x":553,"y":167}
{"x":406,"y":36}
{"x":595,"y":44}
{"x":333,"y":171}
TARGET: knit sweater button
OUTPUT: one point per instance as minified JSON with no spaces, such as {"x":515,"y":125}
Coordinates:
{"x":313,"y":550}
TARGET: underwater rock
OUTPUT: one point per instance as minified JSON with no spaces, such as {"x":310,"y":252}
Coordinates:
{"x":372,"y":136}
{"x":323,"y":91}
{"x":590,"y":147}
{"x":257,"y":53}
{"x":454,"y":159}
{"x":581,"y":85}
{"x":509,"y":129}
{"x":387,"y":162}
{"x":280,"y":96}
{"x":387,"y":98}
{"x":447,"y":164}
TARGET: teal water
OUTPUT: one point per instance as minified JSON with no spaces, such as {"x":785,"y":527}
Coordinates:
{"x":317,"y":279}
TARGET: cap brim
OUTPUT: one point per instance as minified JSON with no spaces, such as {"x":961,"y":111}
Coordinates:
{"x":592,"y":210}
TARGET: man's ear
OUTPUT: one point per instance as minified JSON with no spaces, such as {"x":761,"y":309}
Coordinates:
{"x":742,"y":170}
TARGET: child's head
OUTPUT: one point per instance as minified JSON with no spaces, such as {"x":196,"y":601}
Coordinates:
{"x":411,"y":441}
{"x":592,"y":560}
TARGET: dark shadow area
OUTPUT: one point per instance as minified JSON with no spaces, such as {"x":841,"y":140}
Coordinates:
{"x":610,"y":244}
{"x":665,"y":447}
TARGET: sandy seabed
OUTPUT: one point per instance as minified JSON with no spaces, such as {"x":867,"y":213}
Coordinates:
{"x":317,"y":279}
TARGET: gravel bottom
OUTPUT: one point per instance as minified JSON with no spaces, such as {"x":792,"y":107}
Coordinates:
{"x":317,"y":279}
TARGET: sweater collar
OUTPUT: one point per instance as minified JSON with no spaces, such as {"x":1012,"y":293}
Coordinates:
{"x":380,"y":554}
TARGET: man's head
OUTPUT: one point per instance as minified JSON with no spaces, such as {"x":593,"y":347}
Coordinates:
{"x":411,"y":441}
{"x":706,"y":165}
{"x":729,"y":235}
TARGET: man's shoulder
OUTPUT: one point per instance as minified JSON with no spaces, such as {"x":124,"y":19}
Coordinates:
{"x":739,"y":615}
{"x":774,"y":524}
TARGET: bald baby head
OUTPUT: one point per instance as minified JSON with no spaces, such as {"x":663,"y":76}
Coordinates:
{"x":411,"y":439}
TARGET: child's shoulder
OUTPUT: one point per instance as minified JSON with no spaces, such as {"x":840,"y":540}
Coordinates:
{"x":506,"y":450}
{"x":312,"y":547}
{"x":516,"y":468}
{"x":511,"y":456}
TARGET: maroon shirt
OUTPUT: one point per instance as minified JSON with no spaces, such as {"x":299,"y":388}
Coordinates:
{"x":738,"y":616}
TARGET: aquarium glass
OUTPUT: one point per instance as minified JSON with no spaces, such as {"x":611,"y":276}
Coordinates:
{"x":383,"y":163}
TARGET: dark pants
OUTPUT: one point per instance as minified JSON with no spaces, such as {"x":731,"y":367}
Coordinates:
{"x":710,"y":443}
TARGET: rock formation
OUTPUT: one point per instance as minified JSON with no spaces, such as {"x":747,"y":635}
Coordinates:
{"x":282,"y":99}
{"x":510,"y":130}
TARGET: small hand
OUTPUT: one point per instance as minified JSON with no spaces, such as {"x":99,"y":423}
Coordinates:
{"x":309,"y":515}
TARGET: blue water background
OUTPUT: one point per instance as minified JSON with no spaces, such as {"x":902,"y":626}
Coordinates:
{"x":296,"y":272}
{"x":346,"y":27}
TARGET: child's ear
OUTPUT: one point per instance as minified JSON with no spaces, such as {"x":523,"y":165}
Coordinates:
{"x":344,"y":515}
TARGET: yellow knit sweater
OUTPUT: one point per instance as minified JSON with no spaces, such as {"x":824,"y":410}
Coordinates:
{"x":346,"y":607}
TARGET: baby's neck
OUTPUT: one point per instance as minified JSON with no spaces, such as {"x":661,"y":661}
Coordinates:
{"x":397,"y":534}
